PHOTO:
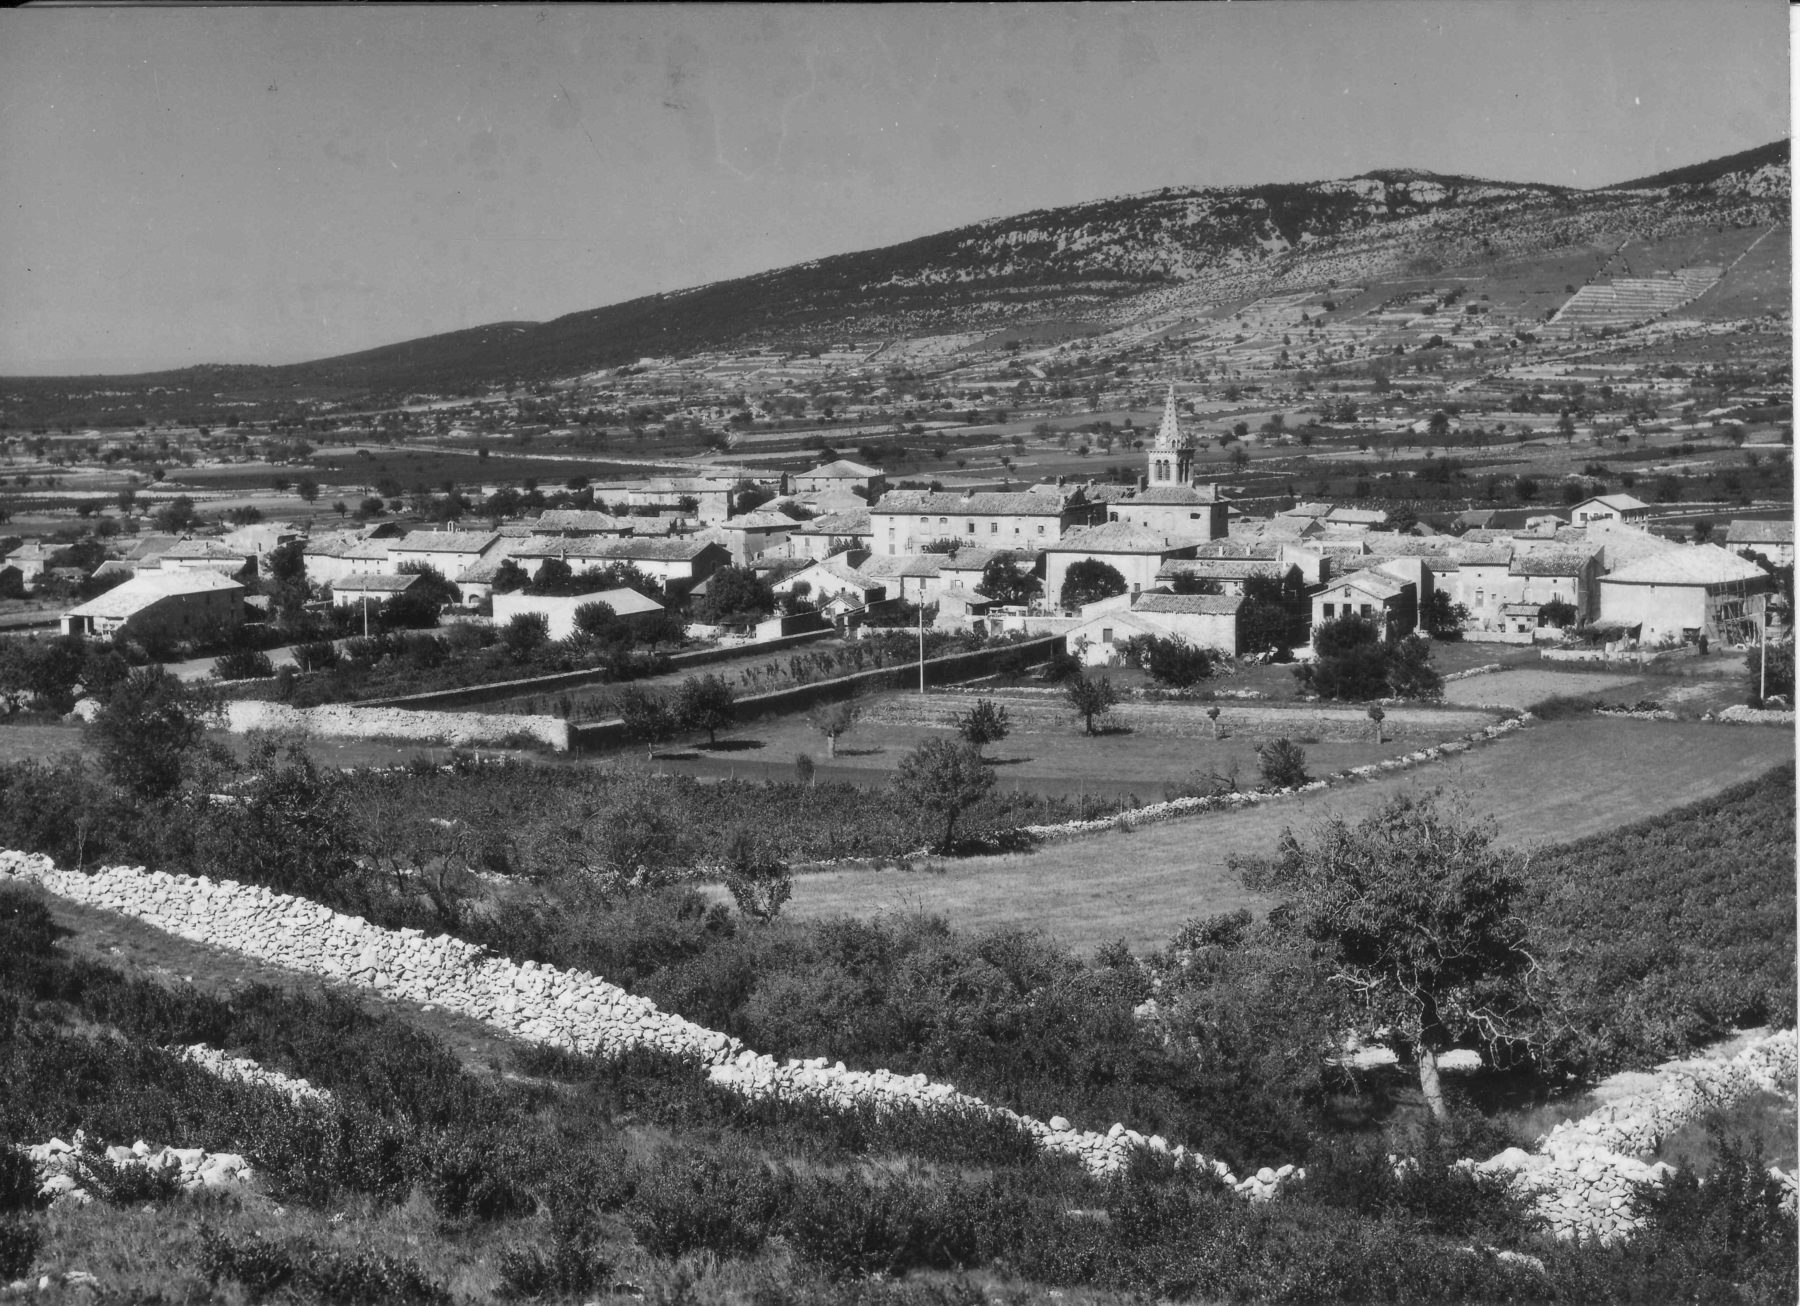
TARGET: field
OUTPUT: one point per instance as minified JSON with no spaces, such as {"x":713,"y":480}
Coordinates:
{"x":1524,"y":686}
{"x":1548,"y":783}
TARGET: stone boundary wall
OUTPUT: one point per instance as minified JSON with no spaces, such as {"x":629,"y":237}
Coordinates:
{"x":355,"y":721}
{"x":1489,"y":669}
{"x":1580,"y":1183}
{"x":591,"y":736}
{"x":502,"y":690}
{"x":62,"y":1167}
{"x":246,"y":1071}
{"x":1751,"y":716}
{"x":1178,"y":807}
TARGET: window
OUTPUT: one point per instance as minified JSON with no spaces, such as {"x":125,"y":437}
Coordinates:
{"x":1106,"y":634}
{"x":971,"y":528}
{"x":993,"y":528}
{"x":1041,"y":524}
{"x":1368,"y":609}
{"x":1330,"y":610}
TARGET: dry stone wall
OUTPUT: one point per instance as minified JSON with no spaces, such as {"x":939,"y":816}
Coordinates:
{"x":64,"y":1169}
{"x":347,"y":721}
{"x":1580,"y":1174}
{"x":246,"y":1071}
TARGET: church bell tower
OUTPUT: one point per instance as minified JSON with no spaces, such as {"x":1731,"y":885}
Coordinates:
{"x":1171,"y":456}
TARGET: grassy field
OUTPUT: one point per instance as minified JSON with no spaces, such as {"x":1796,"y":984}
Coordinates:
{"x":1547,"y":784}
{"x":1522,"y":686}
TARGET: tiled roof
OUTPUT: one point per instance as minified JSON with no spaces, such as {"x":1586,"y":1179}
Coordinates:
{"x":628,"y":549}
{"x":376,"y":584}
{"x":991,"y":504}
{"x":1118,"y":537}
{"x":1550,"y":562}
{"x":577,"y":519}
{"x":1496,"y":554}
{"x":1179,"y":496}
{"x":1217,"y":568}
{"x":882,"y":565}
{"x":842,"y":469}
{"x":1744,"y":530}
{"x":1372,"y":583}
{"x":150,"y":587}
{"x":854,"y":522}
{"x":210,"y":550}
{"x":446,"y":542}
{"x":1199,"y":605}
{"x":1700,"y":564}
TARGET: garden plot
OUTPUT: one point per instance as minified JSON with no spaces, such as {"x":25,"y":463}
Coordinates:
{"x":1521,"y":688}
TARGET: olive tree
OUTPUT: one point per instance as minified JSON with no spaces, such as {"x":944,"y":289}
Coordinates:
{"x":985,"y":723}
{"x":1414,"y":910}
{"x":944,"y":778}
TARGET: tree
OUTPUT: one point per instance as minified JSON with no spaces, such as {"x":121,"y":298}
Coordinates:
{"x":1414,"y":908}
{"x":147,"y":728}
{"x":706,"y":703}
{"x":646,"y":718}
{"x":176,"y":516}
{"x":1006,"y":585}
{"x":1282,"y":763}
{"x":1559,"y":613}
{"x":307,"y":488}
{"x":832,"y":720}
{"x":1780,"y":681}
{"x":597,"y":621}
{"x":1377,"y":715}
{"x":946,"y":778}
{"x":1703,"y":529}
{"x":735,"y":595}
{"x":758,"y":880}
{"x":1089,"y":581}
{"x":1409,"y":670}
{"x":1443,"y":616}
{"x":1349,"y":661}
{"x":525,"y":634}
{"x":1173,"y":662}
{"x":1091,"y":698}
{"x":510,"y":576}
{"x":1439,"y":425}
{"x":985,"y":723}
{"x":1263,"y":620}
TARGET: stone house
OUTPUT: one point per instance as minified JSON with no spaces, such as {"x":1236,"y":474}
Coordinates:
{"x":1392,"y":604}
{"x":842,"y":477}
{"x":904,"y":520}
{"x":1621,"y":508}
{"x":559,"y":610}
{"x":1135,"y":552}
{"x":1772,"y":541}
{"x":178,"y":604}
{"x":1688,"y":593}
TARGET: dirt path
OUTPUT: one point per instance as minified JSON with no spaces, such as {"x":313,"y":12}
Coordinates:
{"x":1550,"y":783}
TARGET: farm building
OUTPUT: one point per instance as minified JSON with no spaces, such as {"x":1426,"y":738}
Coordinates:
{"x":753,"y":534}
{"x":677,"y":565}
{"x":30,"y":560}
{"x":559,"y":610}
{"x":348,"y":591}
{"x":815,"y":538}
{"x":1203,"y":620}
{"x":445,"y":552}
{"x":1391,"y":603}
{"x":1136,"y":552}
{"x":176,"y":604}
{"x":905,"y":520}
{"x":1609,"y":507}
{"x":574,"y":523}
{"x":841,"y":477}
{"x":1772,"y":541}
{"x":208,"y":555}
{"x":831,"y":577}
{"x":1687,"y":593}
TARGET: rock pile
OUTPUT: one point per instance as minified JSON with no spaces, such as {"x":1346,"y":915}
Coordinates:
{"x":247,"y":1071}
{"x":1751,"y":716}
{"x":64,"y":1168}
{"x":347,"y":721}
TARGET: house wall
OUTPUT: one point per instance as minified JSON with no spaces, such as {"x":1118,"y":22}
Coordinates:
{"x":903,"y":532}
{"x":557,"y":609}
{"x":1667,"y":612}
{"x":1202,"y":630}
{"x":1202,"y":521}
{"x":1138,"y":569}
{"x":181,"y":616}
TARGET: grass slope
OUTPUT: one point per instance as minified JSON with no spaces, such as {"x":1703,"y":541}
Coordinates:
{"x":1548,"y":784}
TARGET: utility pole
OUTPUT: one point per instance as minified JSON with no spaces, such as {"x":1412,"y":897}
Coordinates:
{"x":921,"y":642}
{"x":1762,"y":657}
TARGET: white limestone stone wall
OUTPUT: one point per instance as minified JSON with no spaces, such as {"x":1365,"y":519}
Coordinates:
{"x":348,"y":721}
{"x":1176,"y":807}
{"x":244,"y":1070}
{"x":1579,"y":1175}
{"x":62,"y":1168}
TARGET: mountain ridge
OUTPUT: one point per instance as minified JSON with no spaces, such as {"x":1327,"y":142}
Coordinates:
{"x":1105,"y":259}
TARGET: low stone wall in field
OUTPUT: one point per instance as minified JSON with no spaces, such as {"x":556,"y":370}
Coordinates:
{"x":349,"y":721}
{"x":64,"y":1170}
{"x":1580,"y":1181}
{"x":1751,"y":716}
{"x":246,"y":1071}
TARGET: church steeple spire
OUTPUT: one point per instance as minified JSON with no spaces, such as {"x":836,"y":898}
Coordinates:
{"x":1171,"y":457}
{"x":1169,"y":435}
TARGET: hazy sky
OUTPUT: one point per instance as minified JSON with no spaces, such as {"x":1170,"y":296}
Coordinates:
{"x":274,"y":184}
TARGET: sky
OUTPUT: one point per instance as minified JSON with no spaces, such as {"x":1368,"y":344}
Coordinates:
{"x":268,"y":185}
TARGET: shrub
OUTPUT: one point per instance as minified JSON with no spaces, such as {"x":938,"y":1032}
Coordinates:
{"x":525,"y":634}
{"x":266,"y":1267}
{"x":19,"y":1243}
{"x":1091,"y":698}
{"x":723,"y":1200}
{"x":1282,"y":764}
{"x":985,"y":723}
{"x":146,"y":729}
{"x":569,"y":1262}
{"x":944,"y":778}
{"x":706,"y":703}
{"x":759,"y":883}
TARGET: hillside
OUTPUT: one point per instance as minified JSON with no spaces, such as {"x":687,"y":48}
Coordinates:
{"x":1103,"y":262}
